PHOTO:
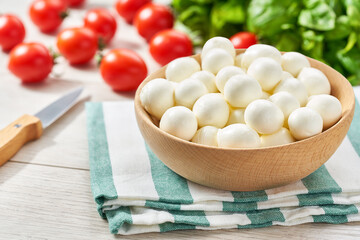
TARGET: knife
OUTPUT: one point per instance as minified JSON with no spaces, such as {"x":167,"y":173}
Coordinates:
{"x":28,"y":127}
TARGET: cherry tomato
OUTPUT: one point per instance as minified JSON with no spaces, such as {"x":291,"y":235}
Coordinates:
{"x":102,"y":23}
{"x":123,"y":69}
{"x":12,"y":31}
{"x":128,"y":8}
{"x":77,"y":45}
{"x":243,"y":40}
{"x":169,"y":44}
{"x":153,"y":18}
{"x":31,"y":62}
{"x":48,"y":14}
{"x":75,"y":3}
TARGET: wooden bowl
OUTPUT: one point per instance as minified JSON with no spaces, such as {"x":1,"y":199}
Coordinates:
{"x":249,"y":169}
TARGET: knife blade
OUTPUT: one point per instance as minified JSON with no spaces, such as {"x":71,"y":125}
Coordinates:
{"x":30,"y":127}
{"x":52,"y":112}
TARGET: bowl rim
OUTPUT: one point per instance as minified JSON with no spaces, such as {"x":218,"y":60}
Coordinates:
{"x":140,"y":110}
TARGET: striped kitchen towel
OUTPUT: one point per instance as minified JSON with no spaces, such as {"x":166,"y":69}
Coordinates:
{"x":137,"y":193}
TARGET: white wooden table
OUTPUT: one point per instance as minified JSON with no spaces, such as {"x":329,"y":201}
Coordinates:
{"x":45,"y":188}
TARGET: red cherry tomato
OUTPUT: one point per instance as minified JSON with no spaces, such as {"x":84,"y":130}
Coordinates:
{"x":48,"y":14}
{"x":77,"y":45}
{"x":243,"y":40}
{"x":123,"y":69}
{"x":153,"y":18}
{"x":75,"y":3}
{"x":128,"y":8}
{"x":12,"y":31}
{"x":31,"y":62}
{"x":102,"y":23}
{"x":169,"y":44}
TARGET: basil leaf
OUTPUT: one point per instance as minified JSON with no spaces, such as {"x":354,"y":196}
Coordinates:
{"x":318,"y":16}
{"x":227,"y":12}
{"x":342,"y":29}
{"x":288,"y":41}
{"x":350,"y":60}
{"x":267,"y":18}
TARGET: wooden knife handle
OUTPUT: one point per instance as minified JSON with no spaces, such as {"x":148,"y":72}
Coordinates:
{"x":15,"y":135}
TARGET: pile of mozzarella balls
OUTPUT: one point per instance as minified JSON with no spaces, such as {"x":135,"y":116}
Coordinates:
{"x":256,"y":99}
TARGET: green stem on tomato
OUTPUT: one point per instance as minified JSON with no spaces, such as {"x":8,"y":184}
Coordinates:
{"x":101,"y":44}
{"x":54,"y":55}
{"x":64,"y":14}
{"x":98,"y":58}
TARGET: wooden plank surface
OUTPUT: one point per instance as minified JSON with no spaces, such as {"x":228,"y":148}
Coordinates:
{"x":45,"y":188}
{"x":47,"y":202}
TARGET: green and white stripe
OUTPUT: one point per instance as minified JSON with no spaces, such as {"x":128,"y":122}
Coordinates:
{"x":137,"y":193}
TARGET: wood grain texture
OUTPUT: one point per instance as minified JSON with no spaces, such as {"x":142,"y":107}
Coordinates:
{"x":41,"y":202}
{"x":16,"y":134}
{"x":55,"y":201}
{"x":249,"y":169}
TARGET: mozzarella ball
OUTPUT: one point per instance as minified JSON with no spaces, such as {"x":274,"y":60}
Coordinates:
{"x":315,"y":81}
{"x":216,"y":59}
{"x":257,"y":51}
{"x":286,"y":102}
{"x":266,"y":71}
{"x":280,"y":137}
{"x":188,"y":91}
{"x":305,"y":122}
{"x":294,"y":62}
{"x":329,"y":108}
{"x":236,"y":116}
{"x":264,"y":95}
{"x":208,"y":79}
{"x":218,"y":42}
{"x":264,"y":116}
{"x":206,"y":135}
{"x":238,"y":136}
{"x":294,"y":87}
{"x":286,"y":75}
{"x":157,"y":96}
{"x":238,"y":59}
{"x":224,"y":74}
{"x":181,"y":68}
{"x":240,"y":90}
{"x":179,"y":121}
{"x":211,"y":110}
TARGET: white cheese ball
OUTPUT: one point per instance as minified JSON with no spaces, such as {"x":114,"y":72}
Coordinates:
{"x":236,"y":116}
{"x":305,"y":122}
{"x":264,"y":116}
{"x":286,"y":75}
{"x":179,"y":121}
{"x":157,"y":96}
{"x":181,"y":68}
{"x":265,"y":95}
{"x":280,"y":137}
{"x":329,"y":108}
{"x":240,"y":90}
{"x":315,"y":81}
{"x":211,"y":110}
{"x":286,"y":102}
{"x":206,"y":135}
{"x":218,"y":42}
{"x":224,"y":74}
{"x":266,"y":71}
{"x":294,"y":87}
{"x":188,"y":91}
{"x":238,"y":136}
{"x":294,"y":62}
{"x":216,"y":59}
{"x":259,"y":50}
{"x":208,"y":79}
{"x":238,"y":59}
